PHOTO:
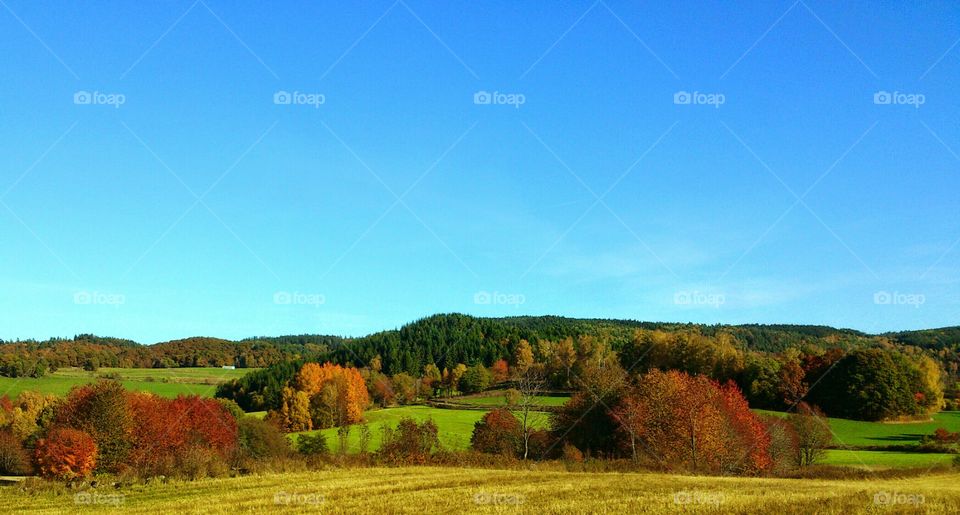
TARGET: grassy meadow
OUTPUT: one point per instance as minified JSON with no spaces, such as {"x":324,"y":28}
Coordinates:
{"x":454,"y":426}
{"x":455,"y":490}
{"x":167,"y":382}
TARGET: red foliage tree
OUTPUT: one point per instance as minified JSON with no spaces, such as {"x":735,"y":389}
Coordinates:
{"x":498,"y":432}
{"x":694,"y":422}
{"x":166,"y":430}
{"x":66,"y":454}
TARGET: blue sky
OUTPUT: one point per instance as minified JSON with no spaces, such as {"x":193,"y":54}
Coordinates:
{"x":178,"y":198}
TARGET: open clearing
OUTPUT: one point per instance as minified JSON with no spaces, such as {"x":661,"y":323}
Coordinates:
{"x":167,"y":382}
{"x":454,"y":426}
{"x":456,"y":490}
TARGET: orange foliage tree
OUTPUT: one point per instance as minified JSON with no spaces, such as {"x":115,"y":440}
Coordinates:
{"x":693,"y":422}
{"x":321,"y":396}
{"x":66,"y":454}
{"x":500,"y":370}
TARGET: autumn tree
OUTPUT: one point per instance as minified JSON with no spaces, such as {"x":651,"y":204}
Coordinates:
{"x":522,"y":357}
{"x":475,"y":379}
{"x":813,"y":434}
{"x":431,"y":378}
{"x":66,"y":454}
{"x":497,"y":432}
{"x":405,"y":387}
{"x":328,"y":394}
{"x":500,"y":371}
{"x":453,"y":378}
{"x":100,"y":410}
{"x":294,"y":413}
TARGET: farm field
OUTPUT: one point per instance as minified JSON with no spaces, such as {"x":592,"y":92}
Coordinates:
{"x":456,"y":490}
{"x":167,"y":382}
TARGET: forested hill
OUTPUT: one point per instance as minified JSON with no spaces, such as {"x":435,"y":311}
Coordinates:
{"x":449,"y":339}
{"x":445,"y":340}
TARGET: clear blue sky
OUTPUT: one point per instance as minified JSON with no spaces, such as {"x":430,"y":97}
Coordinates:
{"x":598,"y":196}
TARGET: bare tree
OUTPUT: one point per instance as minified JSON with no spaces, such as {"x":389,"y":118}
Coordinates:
{"x":527,"y":408}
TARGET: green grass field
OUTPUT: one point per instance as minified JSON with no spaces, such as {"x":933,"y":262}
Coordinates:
{"x":879,"y":460}
{"x":454,"y":426}
{"x":459,"y":490}
{"x":168,"y":382}
{"x":859,"y":434}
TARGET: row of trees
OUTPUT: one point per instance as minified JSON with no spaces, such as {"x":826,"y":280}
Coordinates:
{"x":671,"y":420}
{"x":35,"y":359}
{"x":104,"y":428}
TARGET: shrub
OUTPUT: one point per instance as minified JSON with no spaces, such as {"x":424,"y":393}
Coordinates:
{"x":343,"y":439}
{"x":943,"y":436}
{"x":13,"y":458}
{"x":784,"y":443}
{"x":66,"y":454}
{"x":498,"y":432}
{"x":198,"y":461}
{"x":259,"y":439}
{"x":410,"y":442}
{"x":572,"y":454}
{"x":233,"y":408}
{"x":365,"y":437}
{"x":512,"y":397}
{"x":542,"y":445}
{"x":312,"y":445}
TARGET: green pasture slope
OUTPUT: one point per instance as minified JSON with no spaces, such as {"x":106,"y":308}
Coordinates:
{"x":454,"y":426}
{"x":167,"y":382}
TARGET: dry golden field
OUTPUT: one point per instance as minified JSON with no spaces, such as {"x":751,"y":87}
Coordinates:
{"x":459,"y":490}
